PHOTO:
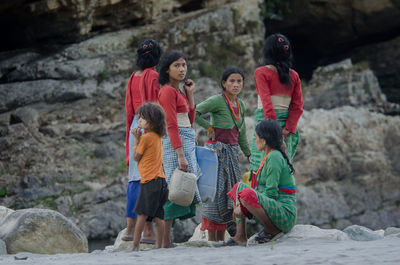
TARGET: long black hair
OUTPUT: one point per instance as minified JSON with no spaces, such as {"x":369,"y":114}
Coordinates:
{"x":271,"y":132}
{"x":278,"y":52}
{"x":154,"y":114}
{"x":166,"y":61}
{"x":148,"y":54}
{"x":228,"y":71}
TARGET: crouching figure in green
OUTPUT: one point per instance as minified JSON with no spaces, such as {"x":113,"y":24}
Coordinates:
{"x":272,"y":197}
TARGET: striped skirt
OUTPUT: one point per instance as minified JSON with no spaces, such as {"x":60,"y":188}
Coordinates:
{"x":170,"y":163}
{"x":220,"y":211}
{"x":291,"y":140}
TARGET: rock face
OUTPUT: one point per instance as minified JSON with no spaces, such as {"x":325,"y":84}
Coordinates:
{"x":41,"y":231}
{"x":325,"y":31}
{"x":342,"y":151}
{"x":345,"y":84}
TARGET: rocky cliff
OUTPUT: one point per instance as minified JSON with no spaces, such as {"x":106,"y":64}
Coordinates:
{"x":62,"y":121}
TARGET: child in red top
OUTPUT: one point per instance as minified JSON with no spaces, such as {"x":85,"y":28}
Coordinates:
{"x":147,"y":151}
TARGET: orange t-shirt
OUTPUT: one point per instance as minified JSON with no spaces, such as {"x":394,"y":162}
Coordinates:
{"x":150,"y":165}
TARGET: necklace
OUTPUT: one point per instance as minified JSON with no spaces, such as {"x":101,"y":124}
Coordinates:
{"x":230,"y":106}
{"x":263,"y":161}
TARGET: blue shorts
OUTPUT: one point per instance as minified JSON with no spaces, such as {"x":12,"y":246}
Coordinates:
{"x":132,"y":194}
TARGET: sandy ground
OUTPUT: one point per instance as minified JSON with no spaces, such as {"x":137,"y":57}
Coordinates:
{"x":384,"y":251}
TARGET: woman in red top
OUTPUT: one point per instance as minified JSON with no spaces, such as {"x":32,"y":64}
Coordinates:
{"x":142,"y":87}
{"x":179,"y":144}
{"x":279,"y":95}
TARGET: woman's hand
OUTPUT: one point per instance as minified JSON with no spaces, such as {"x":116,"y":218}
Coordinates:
{"x":211,"y":133}
{"x":285,"y":133}
{"x":237,"y":212}
{"x":189,"y":89}
{"x":189,"y":86}
{"x":183,"y":163}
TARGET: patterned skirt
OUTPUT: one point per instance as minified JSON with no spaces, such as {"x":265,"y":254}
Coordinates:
{"x":220,"y":211}
{"x":291,"y":140}
{"x":170,"y":163}
{"x":282,"y":212}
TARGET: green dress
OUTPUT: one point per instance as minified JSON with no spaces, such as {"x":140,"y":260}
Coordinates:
{"x":276,"y":191}
{"x":291,"y":141}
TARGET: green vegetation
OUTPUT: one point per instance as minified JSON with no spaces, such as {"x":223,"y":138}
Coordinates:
{"x":102,"y":76}
{"x":134,"y":43}
{"x":218,"y":57}
{"x":48,"y":201}
{"x":362,"y":65}
{"x":274,"y":9}
{"x":3,"y":192}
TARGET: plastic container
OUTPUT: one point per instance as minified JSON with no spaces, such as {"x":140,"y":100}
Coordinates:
{"x":207,"y":183}
{"x":182,"y":187}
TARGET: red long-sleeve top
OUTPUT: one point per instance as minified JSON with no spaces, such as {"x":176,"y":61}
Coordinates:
{"x":268,"y":84}
{"x":140,"y":89}
{"x":174,"y":102}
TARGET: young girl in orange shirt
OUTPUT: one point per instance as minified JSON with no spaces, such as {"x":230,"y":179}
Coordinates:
{"x":147,"y":151}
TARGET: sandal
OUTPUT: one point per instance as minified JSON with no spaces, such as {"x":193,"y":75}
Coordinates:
{"x":147,"y":241}
{"x":127,"y":238}
{"x":264,"y":237}
{"x":231,"y":242}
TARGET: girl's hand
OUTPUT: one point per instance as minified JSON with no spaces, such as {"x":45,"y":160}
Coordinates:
{"x":237,"y":212}
{"x":285,"y":133}
{"x":189,"y":86}
{"x":183,"y":163}
{"x":136,"y":132}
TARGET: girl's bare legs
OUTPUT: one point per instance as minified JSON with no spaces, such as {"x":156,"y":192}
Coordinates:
{"x":141,"y":220}
{"x":130,"y":226}
{"x":160,"y":232}
{"x":259,"y":212}
{"x":240,"y":235}
{"x":166,"y":243}
{"x":220,"y":235}
{"x":212,"y":235}
{"x":148,"y":232}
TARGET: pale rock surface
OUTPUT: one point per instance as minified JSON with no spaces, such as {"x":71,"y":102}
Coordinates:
{"x":305,"y":232}
{"x":41,"y":231}
{"x":4,"y":212}
{"x":3,"y":248}
{"x":360,"y":233}
{"x":392,"y":231}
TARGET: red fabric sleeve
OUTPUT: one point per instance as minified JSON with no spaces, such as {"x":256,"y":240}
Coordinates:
{"x":192,"y":114}
{"x":296,"y":106}
{"x":150,"y":88}
{"x":167,"y":99}
{"x":129,"y":109}
{"x":263,"y":86}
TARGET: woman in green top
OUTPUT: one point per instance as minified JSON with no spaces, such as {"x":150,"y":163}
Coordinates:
{"x":272,"y":199}
{"x":226,"y":132}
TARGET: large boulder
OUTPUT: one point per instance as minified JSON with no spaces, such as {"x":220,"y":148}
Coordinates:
{"x":41,"y":231}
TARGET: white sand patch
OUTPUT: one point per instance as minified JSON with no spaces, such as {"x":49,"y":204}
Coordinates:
{"x":312,"y":251}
